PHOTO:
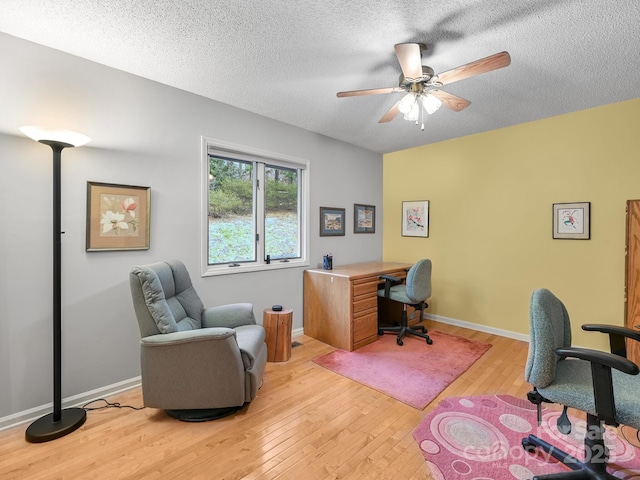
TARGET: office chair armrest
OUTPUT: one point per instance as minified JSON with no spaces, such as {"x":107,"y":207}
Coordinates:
{"x":601,"y":365}
{"x":389,"y":281}
{"x":597,"y":357}
{"x":616,"y":336}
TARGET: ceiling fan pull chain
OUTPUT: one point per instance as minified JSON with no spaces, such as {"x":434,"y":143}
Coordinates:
{"x":422,"y":114}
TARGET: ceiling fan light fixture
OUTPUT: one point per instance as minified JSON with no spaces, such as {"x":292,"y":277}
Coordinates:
{"x":430,"y":103}
{"x":414,"y":112}
{"x":407,"y":103}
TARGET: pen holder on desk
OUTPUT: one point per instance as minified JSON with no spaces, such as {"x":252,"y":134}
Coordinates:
{"x":327,"y":262}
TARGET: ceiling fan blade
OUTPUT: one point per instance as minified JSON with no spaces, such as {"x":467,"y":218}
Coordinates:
{"x":484,"y":65}
{"x":391,"y":113}
{"x":451,"y":101}
{"x":410,"y":59}
{"x":372,"y":91}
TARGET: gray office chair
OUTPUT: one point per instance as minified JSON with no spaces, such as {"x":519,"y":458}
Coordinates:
{"x":602,"y":384}
{"x":197,"y":363}
{"x":413,"y":292}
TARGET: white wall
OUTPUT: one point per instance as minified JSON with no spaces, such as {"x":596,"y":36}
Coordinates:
{"x":143,"y":133}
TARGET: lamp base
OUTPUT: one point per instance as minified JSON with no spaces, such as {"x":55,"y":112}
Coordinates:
{"x":45,"y":428}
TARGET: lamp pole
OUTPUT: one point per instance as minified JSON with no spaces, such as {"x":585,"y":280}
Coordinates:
{"x":61,"y":421}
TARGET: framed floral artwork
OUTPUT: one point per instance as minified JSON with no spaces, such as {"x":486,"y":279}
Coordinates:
{"x":364,"y":218}
{"x":117,"y":217}
{"x":331,"y":222}
{"x":415,"y":219}
{"x":572,"y":221}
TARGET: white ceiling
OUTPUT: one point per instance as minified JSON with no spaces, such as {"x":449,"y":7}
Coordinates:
{"x":287,"y":60}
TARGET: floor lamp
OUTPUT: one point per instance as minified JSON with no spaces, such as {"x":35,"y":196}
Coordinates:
{"x":61,"y":421}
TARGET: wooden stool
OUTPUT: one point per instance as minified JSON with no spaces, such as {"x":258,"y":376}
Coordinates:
{"x":277,"y":326}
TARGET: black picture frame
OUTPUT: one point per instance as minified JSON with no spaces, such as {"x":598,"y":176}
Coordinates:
{"x":364,"y":218}
{"x":332,"y":222}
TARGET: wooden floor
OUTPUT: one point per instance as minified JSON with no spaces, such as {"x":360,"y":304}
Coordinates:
{"x":305,"y":423}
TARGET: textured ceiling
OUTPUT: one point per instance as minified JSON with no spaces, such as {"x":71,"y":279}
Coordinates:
{"x":286,"y":60}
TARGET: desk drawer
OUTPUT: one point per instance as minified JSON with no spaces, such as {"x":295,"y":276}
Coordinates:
{"x":365,"y":326}
{"x":365,"y":302}
{"x":363,"y":286}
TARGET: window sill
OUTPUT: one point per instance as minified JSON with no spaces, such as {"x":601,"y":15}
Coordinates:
{"x":211,"y":271}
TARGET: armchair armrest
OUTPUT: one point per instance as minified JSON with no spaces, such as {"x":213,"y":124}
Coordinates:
{"x":617,"y":336}
{"x":389,"y":281}
{"x":203,"y":366}
{"x":188,"y":336}
{"x":601,"y":365}
{"x":231,"y":316}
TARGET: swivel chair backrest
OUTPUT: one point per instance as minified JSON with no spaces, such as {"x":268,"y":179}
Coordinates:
{"x":164,"y":298}
{"x":549,"y":328}
{"x":418,"y":283}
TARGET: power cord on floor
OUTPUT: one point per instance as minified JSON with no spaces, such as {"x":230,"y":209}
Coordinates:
{"x":107,"y":405}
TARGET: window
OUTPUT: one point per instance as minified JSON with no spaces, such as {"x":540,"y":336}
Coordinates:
{"x":255,"y":214}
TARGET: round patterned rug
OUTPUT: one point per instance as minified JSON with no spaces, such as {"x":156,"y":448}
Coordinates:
{"x":479,"y":438}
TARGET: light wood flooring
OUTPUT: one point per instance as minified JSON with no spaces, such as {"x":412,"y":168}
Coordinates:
{"x":306,"y":423}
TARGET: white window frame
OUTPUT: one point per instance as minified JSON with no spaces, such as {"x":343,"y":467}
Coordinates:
{"x":242,"y":152}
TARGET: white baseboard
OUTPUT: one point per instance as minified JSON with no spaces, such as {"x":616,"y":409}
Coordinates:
{"x":32,"y":414}
{"x":463,"y":324}
{"x":477,"y":327}
{"x":297,"y":332}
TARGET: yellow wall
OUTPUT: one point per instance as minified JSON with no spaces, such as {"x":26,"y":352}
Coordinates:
{"x":491,"y":197}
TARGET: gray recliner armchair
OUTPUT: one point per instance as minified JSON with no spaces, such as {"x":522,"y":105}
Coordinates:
{"x":197,"y":363}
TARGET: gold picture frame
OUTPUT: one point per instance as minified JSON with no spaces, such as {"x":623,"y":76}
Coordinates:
{"x":117,"y":217}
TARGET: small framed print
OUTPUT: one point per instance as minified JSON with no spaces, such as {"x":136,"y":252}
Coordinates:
{"x":572,"y":221}
{"x":331,"y":222}
{"x":117,"y":217}
{"x":364,"y":218}
{"x":415,"y":219}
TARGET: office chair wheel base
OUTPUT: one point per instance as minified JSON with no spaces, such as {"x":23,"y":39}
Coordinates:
{"x":399,"y":341}
{"x":528,"y":446}
{"x":429,"y":341}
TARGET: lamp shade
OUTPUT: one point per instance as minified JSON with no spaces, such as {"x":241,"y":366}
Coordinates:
{"x":40,"y":134}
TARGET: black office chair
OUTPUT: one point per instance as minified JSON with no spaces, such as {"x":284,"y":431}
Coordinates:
{"x":604,"y":385}
{"x":412,"y":293}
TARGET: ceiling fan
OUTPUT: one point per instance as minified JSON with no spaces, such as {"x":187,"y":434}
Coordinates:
{"x":422,"y":85}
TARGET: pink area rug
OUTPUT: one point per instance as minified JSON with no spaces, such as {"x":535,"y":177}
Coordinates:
{"x":480,"y":438}
{"x":415,"y":373}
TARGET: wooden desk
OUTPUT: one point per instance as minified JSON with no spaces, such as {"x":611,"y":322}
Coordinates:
{"x":341,"y":305}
